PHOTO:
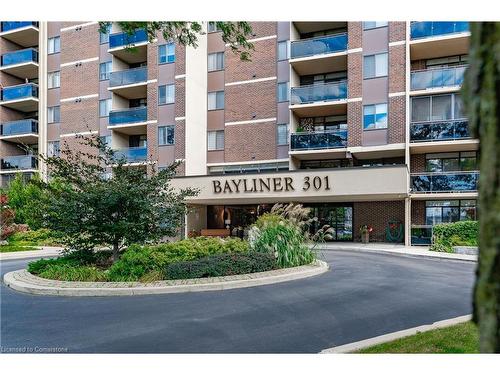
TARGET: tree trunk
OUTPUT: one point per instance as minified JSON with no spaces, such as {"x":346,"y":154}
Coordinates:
{"x":482,"y":98}
{"x":116,"y":252}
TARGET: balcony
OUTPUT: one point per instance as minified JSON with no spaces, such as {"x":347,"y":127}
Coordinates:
{"x":129,"y":120}
{"x":431,"y":29}
{"x":320,"y":54}
{"x":22,"y":63}
{"x":22,"y":98}
{"x":20,"y":162}
{"x":441,"y":182}
{"x":131,"y":48}
{"x":318,"y":140}
{"x":20,"y":131}
{"x":24,"y":33}
{"x":130,"y":84}
{"x":320,"y":100}
{"x":451,"y":77}
{"x":438,"y":39}
{"x":132,"y":154}
{"x":441,"y":136}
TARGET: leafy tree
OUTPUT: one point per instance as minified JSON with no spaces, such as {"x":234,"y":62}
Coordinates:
{"x":90,"y":207}
{"x":22,"y":195}
{"x":482,"y":94}
{"x":235,"y":34}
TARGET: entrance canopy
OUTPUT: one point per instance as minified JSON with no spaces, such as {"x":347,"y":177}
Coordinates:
{"x":303,"y":185}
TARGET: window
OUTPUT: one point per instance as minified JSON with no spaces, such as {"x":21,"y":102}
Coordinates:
{"x":283,"y":50}
{"x":106,"y":139}
{"x":54,"y":45}
{"x":374,"y":24}
{"x":215,"y":61}
{"x":450,"y":211}
{"x":104,"y":70}
{"x":282,"y":134}
{"x":215,"y":100}
{"x":375,"y":116}
{"x":375,"y":65}
{"x":54,"y":80}
{"x":104,"y":37}
{"x":104,"y":107}
{"x":166,"y":53}
{"x":283,"y":92}
{"x":323,"y":78}
{"x":53,"y":114}
{"x":166,"y":135}
{"x":437,"y":108}
{"x":451,"y":161}
{"x":213,"y":28}
{"x":53,"y":148}
{"x":215,"y":140}
{"x":166,"y":94}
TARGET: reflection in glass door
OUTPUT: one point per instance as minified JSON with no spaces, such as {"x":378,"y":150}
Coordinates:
{"x":338,"y":217}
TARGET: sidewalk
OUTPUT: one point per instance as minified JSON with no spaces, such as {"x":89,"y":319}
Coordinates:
{"x":45,"y":251}
{"x":389,"y":248}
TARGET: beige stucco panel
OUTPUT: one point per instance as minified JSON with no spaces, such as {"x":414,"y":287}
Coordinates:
{"x":349,"y":184}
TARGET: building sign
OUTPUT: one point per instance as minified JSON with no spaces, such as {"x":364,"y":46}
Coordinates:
{"x":270,"y":184}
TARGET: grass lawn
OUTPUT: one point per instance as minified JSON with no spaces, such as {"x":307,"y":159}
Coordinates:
{"x":12,"y":248}
{"x":460,"y":338}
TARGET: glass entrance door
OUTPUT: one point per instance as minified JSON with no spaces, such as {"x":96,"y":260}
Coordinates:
{"x":338,"y":217}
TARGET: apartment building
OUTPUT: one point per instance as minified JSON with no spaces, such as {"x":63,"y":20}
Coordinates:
{"x":361,"y":121}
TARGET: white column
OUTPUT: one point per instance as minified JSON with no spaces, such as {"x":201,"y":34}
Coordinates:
{"x":42,"y":96}
{"x":196,"y":108}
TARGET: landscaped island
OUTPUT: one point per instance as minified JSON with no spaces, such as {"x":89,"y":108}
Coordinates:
{"x":278,"y":240}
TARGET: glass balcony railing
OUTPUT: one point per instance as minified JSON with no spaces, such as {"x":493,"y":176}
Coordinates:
{"x":433,"y":131}
{"x":128,"y":115}
{"x":19,"y":57}
{"x":128,"y":77}
{"x":319,"y":93}
{"x":319,"y":45}
{"x":20,"y":162}
{"x":318,"y":140}
{"x":26,"y":126}
{"x":12,"y":25}
{"x":442,"y":77}
{"x":421,"y":234}
{"x":132,"y":154}
{"x":27,"y":90}
{"x":428,"y":29}
{"x":124,"y":39}
{"x":444,"y":181}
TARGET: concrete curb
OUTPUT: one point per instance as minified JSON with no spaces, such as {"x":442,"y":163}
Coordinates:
{"x":23,"y":281}
{"x":355,"y":346}
{"x":45,"y":251}
{"x":405,"y":252}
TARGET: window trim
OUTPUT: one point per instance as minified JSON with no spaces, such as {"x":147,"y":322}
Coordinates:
{"x":216,"y":147}
{"x":376,"y":27}
{"x":166,"y":54}
{"x":223,"y":61}
{"x":54,"y":122}
{"x":102,"y":100}
{"x":287,"y":53}
{"x":287,"y":92}
{"x":49,"y":80}
{"x":376,"y":54}
{"x":166,"y":103}
{"x":375,"y":114}
{"x":173,"y":136}
{"x":48,"y":43}
{"x":287,"y":138}
{"x":216,"y":108}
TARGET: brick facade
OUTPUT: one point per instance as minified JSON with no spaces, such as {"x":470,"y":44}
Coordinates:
{"x":377,"y":215}
{"x":251,"y":101}
{"x":250,"y":142}
{"x":418,"y":212}
{"x":397,"y":72}
{"x":80,"y":44}
{"x":397,"y":31}
{"x":397,"y":119}
{"x":79,"y":116}
{"x":262,"y":64}
{"x":80,"y":79}
{"x":355,"y":121}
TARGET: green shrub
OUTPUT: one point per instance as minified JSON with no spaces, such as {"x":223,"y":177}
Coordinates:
{"x":41,"y":265}
{"x":73,"y":259}
{"x":268,"y":219}
{"x":68,"y":272}
{"x":137,"y":261}
{"x":39,"y":237}
{"x":285,"y":241}
{"x":221,"y":265}
{"x":13,"y":248}
{"x":460,"y":233}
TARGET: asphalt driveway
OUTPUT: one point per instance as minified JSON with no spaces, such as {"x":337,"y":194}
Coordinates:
{"x":362,"y":296}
